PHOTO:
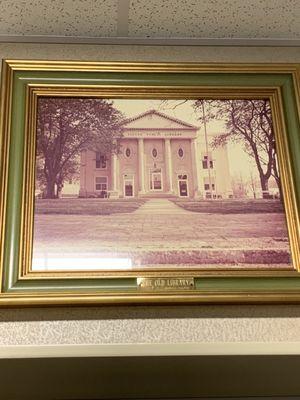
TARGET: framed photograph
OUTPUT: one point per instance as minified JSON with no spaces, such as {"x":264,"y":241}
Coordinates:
{"x":134,"y":182}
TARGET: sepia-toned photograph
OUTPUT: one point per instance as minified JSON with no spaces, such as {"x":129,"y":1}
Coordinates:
{"x":124,"y":184}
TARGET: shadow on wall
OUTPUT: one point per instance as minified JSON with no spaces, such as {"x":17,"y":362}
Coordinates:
{"x":149,"y":312}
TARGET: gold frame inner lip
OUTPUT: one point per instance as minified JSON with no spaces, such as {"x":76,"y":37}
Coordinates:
{"x":139,"y":92}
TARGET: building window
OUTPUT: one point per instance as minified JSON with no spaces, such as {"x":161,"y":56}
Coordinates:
{"x":127,"y":152}
{"x":180,"y":152}
{"x":101,"y":186}
{"x":205,"y":161}
{"x":154,"y":153}
{"x":100,"y":160}
{"x":206,"y":186}
{"x":101,"y":183}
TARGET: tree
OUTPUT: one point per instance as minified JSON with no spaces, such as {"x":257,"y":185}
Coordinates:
{"x":65,"y":126}
{"x":253,"y":184}
{"x":249,"y":122}
{"x":239,"y":187}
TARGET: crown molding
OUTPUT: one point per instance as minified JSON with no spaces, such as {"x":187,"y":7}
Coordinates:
{"x":142,"y":41}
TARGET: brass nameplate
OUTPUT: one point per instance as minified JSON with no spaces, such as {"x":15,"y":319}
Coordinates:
{"x":166,"y":283}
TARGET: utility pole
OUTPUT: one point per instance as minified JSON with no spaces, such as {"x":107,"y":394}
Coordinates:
{"x":207,"y":149}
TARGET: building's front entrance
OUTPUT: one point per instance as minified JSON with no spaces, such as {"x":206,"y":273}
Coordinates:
{"x":183,"y":185}
{"x":156,"y":179}
{"x":128,"y":185}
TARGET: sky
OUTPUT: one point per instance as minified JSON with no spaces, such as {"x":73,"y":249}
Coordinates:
{"x":240,"y":163}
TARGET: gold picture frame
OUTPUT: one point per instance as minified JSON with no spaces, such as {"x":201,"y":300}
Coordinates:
{"x":24,"y":82}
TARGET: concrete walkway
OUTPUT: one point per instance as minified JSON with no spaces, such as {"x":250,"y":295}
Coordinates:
{"x":160,"y":206}
{"x":159,"y":236}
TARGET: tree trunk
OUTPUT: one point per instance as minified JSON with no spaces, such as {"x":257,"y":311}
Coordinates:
{"x":50,"y":190}
{"x":264,"y":187}
{"x":278,"y":181}
{"x":59,"y":188}
{"x":277,"y":177}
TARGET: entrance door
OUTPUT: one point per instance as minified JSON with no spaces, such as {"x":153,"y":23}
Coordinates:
{"x":128,"y":186}
{"x":156,"y":179}
{"x":183,"y":185}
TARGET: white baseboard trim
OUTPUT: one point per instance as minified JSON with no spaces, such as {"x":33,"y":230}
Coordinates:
{"x":151,"y":350}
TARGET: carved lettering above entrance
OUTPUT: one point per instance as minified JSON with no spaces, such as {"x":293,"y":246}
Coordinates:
{"x":160,"y":134}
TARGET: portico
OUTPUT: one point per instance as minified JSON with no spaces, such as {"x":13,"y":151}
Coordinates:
{"x":155,"y":158}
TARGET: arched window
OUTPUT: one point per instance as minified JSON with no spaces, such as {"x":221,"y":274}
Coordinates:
{"x":127,"y":152}
{"x":180,"y":152}
{"x":154,"y":153}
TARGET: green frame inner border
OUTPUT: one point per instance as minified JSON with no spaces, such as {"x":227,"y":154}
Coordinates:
{"x":15,"y":174}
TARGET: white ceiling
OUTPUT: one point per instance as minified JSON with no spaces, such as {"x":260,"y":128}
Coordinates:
{"x":152,"y":20}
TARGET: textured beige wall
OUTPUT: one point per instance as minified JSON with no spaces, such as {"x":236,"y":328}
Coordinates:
{"x":149,"y":324}
{"x":150,"y":53}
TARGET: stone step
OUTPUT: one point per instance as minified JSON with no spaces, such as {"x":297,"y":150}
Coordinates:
{"x":159,"y":207}
{"x":158,"y":196}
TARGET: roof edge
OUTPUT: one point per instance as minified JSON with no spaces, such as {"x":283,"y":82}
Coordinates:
{"x":153,"y":111}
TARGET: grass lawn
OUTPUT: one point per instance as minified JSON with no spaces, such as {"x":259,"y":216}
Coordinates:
{"x":75,"y":206}
{"x":231,"y":206}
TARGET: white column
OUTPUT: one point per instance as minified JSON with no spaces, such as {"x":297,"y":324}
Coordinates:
{"x":141,"y":166}
{"x":115,"y":172}
{"x":169,"y":165}
{"x":197,"y":167}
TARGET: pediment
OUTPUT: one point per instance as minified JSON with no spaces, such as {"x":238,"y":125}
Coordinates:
{"x":156,"y":120}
